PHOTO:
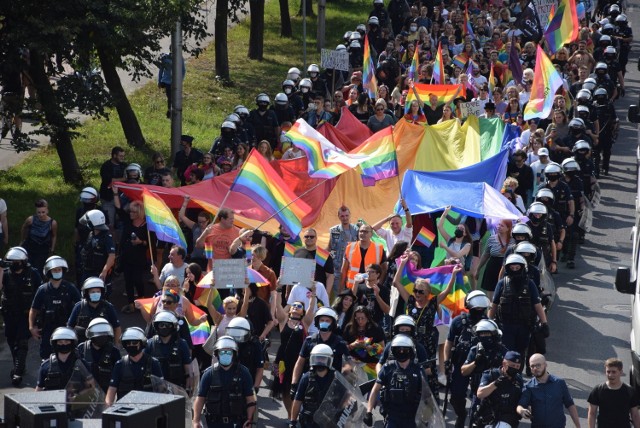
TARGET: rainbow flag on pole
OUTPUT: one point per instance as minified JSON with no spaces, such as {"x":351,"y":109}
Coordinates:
{"x":324,"y":159}
{"x":199,"y":333}
{"x":289,"y":249}
{"x":563,"y":27}
{"x":205,"y":293}
{"x":369,"y":81}
{"x":460,"y":60}
{"x":445,"y":93}
{"x":466,"y":28}
{"x":257,"y":277}
{"x":546,"y":82}
{"x":412,"y":73}
{"x":160,"y":220}
{"x":425,"y":237}
{"x":491,"y":81}
{"x":261,"y":183}
{"x":439,"y":278}
{"x":438,"y":67}
{"x":322,"y":256}
{"x":383,"y":160}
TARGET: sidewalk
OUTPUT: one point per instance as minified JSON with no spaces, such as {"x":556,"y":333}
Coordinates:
{"x":9,"y":157}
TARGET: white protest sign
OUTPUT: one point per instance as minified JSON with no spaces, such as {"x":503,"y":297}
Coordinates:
{"x":297,"y":271}
{"x":337,"y":60}
{"x":475,"y":108}
{"x":230,"y":273}
{"x":543,"y":7}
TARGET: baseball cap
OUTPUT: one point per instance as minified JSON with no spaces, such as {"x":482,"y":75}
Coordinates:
{"x":513,"y":356}
{"x":543,"y":151}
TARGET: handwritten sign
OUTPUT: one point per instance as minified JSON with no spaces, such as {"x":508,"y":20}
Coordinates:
{"x":297,"y":271}
{"x":543,"y":7}
{"x":230,"y":273}
{"x":475,"y":108}
{"x":337,"y":60}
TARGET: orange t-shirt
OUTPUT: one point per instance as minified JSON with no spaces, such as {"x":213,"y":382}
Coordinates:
{"x":220,"y":239}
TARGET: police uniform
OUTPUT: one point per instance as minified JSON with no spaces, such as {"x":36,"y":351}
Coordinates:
{"x":129,"y":375}
{"x":54,"y":305}
{"x":83,"y":313}
{"x":225,"y":393}
{"x":335,"y":342}
{"x":56,"y":374}
{"x":503,"y":402}
{"x":401,"y":393}
{"x":576,"y":187}
{"x":251,"y":356}
{"x":311,"y":391}
{"x":17,"y":294}
{"x":542,"y":237}
{"x":99,"y":361}
{"x":83,"y":234}
{"x":95,"y":252}
{"x":608,"y":118}
{"x":173,"y":356}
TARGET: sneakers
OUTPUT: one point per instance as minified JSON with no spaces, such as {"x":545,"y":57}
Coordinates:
{"x":16,"y":380}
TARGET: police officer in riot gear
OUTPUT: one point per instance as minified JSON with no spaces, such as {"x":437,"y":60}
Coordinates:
{"x":63,"y":364}
{"x":98,"y":352}
{"x":52,"y":304}
{"x":406,"y":325}
{"x":284,"y":111}
{"x":289,"y":89}
{"x":18,"y":284}
{"x":500,"y":390}
{"x":624,"y":34}
{"x":572,"y":177}
{"x":99,"y":251}
{"x":313,"y":387}
{"x":170,"y":350}
{"x":457,"y":347}
{"x":228,"y":139}
{"x":89,"y":199}
{"x":227,"y":390}
{"x":245,"y":132}
{"x":515,"y":304}
{"x":609,"y":123}
{"x":601,"y":74}
{"x":546,"y":197}
{"x":134,"y":370}
{"x":530,"y":253}
{"x":92,"y":305}
{"x":542,"y":234}
{"x":399,"y":384}
{"x":250,"y":352}
{"x":264,"y":121}
{"x":588,"y":172}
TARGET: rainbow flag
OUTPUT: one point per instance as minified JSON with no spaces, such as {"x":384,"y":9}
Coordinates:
{"x":145,"y":304}
{"x":208,"y":249}
{"x":255,"y":276}
{"x":261,"y":183}
{"x":460,"y":60}
{"x":205,"y":293}
{"x":369,"y":81}
{"x":445,"y":319}
{"x":546,"y":82}
{"x":445,"y":93}
{"x":199,"y":333}
{"x":466,"y":28}
{"x":289,"y":249}
{"x":160,"y":220}
{"x":438,"y":67}
{"x":383,"y":160}
{"x":412,"y":73}
{"x":564,"y":26}
{"x":439,"y":278}
{"x":425,"y":237}
{"x":491,"y":82}
{"x":295,"y":241}
{"x":324,"y":159}
{"x":322,"y":256}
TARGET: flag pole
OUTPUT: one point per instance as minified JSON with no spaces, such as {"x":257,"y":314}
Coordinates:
{"x":149,"y":242}
{"x":283,"y":208}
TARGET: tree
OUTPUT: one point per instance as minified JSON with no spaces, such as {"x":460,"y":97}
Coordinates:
{"x":256,"y":29}
{"x":225,"y":11}
{"x":285,"y":19}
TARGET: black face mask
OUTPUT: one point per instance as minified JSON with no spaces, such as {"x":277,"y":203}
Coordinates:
{"x":512,"y":371}
{"x":476,"y":314}
{"x":100,"y":341}
{"x":402,"y":355}
{"x":64,"y":349}
{"x":16,"y":267}
{"x":458,"y":233}
{"x":263,"y":107}
{"x":553,"y":177}
{"x":133,"y":350}
{"x":487,"y":341}
{"x":164,"y":331}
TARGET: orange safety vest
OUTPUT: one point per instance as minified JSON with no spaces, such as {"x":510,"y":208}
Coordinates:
{"x":352,"y":254}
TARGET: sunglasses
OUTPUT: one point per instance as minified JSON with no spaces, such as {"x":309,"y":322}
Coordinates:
{"x":168,"y":302}
{"x":416,"y":291}
{"x":379,"y":109}
{"x":309,"y":236}
{"x":297,"y":306}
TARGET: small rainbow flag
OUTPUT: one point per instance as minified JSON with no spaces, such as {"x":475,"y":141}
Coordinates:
{"x":258,"y":180}
{"x":199,"y":333}
{"x":425,"y":237}
{"x":369,"y":81}
{"x":295,"y":241}
{"x":466,"y":29}
{"x":438,"y":67}
{"x":546,"y":82}
{"x":492,"y":82}
{"x":255,"y":276}
{"x":383,"y":160}
{"x":563,"y":28}
{"x":247,"y":251}
{"x":160,"y":220}
{"x":289,"y":249}
{"x":205,"y":293}
{"x":445,"y":93}
{"x":412,"y":73}
{"x":460,"y":60}
{"x":322,"y":256}
{"x":208,"y":249}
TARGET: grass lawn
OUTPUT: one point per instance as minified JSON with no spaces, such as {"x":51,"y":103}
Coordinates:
{"x":205,"y":104}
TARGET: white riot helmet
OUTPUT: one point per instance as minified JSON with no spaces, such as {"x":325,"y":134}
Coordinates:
{"x":521,"y":230}
{"x":570,"y":165}
{"x":99,"y":327}
{"x":133,"y":334}
{"x":325,"y":312}
{"x":165,"y":323}
{"x":16,"y":254}
{"x":527,"y":250}
{"x":239,"y":329}
{"x":133,"y":168}
{"x":263,"y":98}
{"x":321,"y":356}
{"x":537,"y":208}
{"x":92,"y":282}
{"x":281,"y":99}
{"x":94,"y":219}
{"x":227,"y":124}
{"x":403,"y":348}
{"x":293,"y":74}
{"x":404,"y":320}
{"x":63,"y":333}
{"x":305,"y":85}
{"x":581,"y":145}
{"x":54,"y":262}
{"x":313,"y":70}
{"x":487,"y":326}
{"x":545,"y":193}
{"x":226,"y":343}
{"x":89,"y":195}
{"x":241,"y":111}
{"x":477,"y":299}
{"x":515,"y":259}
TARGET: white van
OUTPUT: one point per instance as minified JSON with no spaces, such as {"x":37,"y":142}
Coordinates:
{"x":627,"y":278}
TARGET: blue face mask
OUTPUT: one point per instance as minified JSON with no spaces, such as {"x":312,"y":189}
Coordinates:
{"x":56,"y":275}
{"x":324,"y":326}
{"x":225,"y":360}
{"x":95,"y":297}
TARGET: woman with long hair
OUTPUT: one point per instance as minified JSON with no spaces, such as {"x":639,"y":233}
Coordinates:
{"x":512,"y":111}
{"x":242,"y":153}
{"x":362,"y":109}
{"x":415,"y":113}
{"x":344,"y":306}
{"x":493,"y":255}
{"x":457,"y":246}
{"x":208,"y":166}
{"x":264,"y":148}
{"x":365,"y":338}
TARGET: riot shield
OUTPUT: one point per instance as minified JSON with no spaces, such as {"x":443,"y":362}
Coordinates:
{"x":342,"y":407}
{"x":428,"y":414}
{"x":547,"y":283}
{"x":162,"y":386}
{"x":586,"y":220}
{"x":597,"y":195}
{"x":85,"y":399}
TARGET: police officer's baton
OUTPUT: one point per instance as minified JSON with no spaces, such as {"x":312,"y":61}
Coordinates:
{"x":366,"y":387}
{"x":446,"y":396}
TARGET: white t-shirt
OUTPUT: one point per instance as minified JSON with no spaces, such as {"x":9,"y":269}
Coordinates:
{"x":300,"y":293}
{"x":405,"y":235}
{"x":169,"y":269}
{"x":538,"y":168}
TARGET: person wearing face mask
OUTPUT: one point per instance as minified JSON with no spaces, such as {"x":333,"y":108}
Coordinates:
{"x":170,"y":350}
{"x":134,"y":370}
{"x":227,"y":390}
{"x":264,"y":121}
{"x":500,"y":390}
{"x":89,"y":198}
{"x":52,"y":304}
{"x":542,"y":234}
{"x":405,"y":325}
{"x":63,"y":364}
{"x":535,"y":404}
{"x":571,"y":172}
{"x":18,"y":285}
{"x":92,"y":305}
{"x":399,"y":384}
{"x":325,"y":321}
{"x":457,"y":348}
{"x":98,"y":251}
{"x":98,"y":352}
{"x":289,"y":89}
{"x":560,"y":232}
{"x":250,"y":352}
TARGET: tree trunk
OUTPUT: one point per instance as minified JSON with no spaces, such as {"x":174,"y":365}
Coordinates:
{"x":60,"y":132}
{"x":128,"y":119}
{"x":309,"y":9}
{"x":285,"y":19}
{"x":222,"y":54}
{"x":256,"y":30}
